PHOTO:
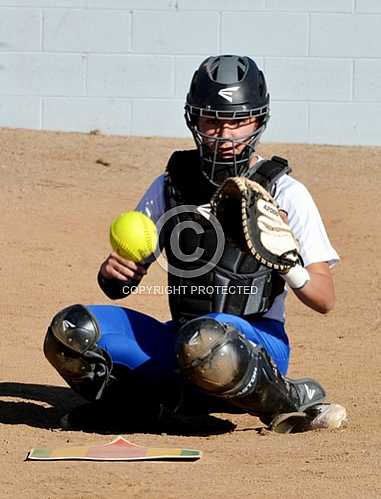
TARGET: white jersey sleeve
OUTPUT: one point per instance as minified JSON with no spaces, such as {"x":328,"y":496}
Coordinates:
{"x":152,"y":202}
{"x":305,"y":222}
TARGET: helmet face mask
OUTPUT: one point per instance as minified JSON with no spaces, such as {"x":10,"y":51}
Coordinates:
{"x":223,"y":156}
{"x":228,"y":90}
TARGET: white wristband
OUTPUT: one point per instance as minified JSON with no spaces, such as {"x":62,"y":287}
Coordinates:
{"x":297,"y":277}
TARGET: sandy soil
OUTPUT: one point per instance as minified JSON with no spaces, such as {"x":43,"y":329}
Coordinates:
{"x":57,"y":200}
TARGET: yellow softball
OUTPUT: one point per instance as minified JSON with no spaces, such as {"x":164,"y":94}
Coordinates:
{"x":133,"y":235}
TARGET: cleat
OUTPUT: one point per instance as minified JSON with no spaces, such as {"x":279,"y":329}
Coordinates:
{"x":287,"y":422}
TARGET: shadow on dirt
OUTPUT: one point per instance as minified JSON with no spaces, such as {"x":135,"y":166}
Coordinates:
{"x":43,"y":406}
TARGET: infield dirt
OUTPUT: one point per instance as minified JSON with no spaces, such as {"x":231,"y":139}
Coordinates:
{"x":59,"y":193}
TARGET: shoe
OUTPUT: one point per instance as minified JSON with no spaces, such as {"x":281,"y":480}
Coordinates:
{"x":319,"y":416}
{"x":289,"y":422}
{"x":305,"y":393}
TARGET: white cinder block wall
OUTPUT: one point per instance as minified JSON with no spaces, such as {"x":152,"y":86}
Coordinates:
{"x":124,"y":66}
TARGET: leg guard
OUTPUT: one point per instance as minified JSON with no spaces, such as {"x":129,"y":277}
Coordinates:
{"x":70,"y":346}
{"x":222,"y":362}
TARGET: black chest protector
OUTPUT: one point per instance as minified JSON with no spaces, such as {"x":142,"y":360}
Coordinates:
{"x":237,"y":284}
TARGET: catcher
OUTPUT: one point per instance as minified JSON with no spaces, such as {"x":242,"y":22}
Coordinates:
{"x":225,"y":349}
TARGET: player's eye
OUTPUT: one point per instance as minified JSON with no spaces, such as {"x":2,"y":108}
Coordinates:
{"x":213,"y":122}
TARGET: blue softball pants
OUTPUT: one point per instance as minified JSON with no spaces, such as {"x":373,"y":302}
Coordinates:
{"x":143,"y":344}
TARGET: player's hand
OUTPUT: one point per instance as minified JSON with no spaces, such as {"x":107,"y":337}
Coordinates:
{"x":116,"y":267}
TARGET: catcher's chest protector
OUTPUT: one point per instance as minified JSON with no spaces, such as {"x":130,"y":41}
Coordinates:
{"x":237,"y":284}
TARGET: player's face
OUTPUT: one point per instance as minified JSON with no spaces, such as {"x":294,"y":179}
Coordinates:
{"x":232,"y":135}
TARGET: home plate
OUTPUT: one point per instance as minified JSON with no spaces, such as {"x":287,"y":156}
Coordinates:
{"x":119,"y":449}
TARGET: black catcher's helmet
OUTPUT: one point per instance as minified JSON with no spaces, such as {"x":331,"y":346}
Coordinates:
{"x":226,"y":87}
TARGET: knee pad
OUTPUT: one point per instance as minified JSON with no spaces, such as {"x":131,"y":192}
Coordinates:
{"x":71,"y":347}
{"x":213,"y":356}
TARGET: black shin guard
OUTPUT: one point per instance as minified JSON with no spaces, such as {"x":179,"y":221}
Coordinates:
{"x":222,"y":362}
{"x":70,"y":346}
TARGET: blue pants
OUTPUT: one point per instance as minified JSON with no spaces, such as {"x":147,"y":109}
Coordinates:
{"x":143,"y":344}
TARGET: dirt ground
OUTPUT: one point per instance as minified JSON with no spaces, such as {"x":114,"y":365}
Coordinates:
{"x":59,"y":193}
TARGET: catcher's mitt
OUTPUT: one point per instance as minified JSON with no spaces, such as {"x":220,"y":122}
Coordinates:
{"x":251,"y":219}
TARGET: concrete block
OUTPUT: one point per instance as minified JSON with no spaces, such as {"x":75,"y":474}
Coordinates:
{"x":86,"y":114}
{"x":20,"y":112}
{"x":184,"y":69}
{"x":345,"y":35}
{"x":368,"y":6}
{"x":266,"y":33}
{"x":44,"y":3}
{"x":309,"y":78}
{"x":367,"y":80}
{"x":20,"y":29}
{"x":175,"y":32}
{"x":288,"y":123}
{"x":221,"y":5}
{"x":133,"y":4}
{"x":41,"y":74}
{"x":164,"y":118}
{"x":130,"y":76}
{"x":347,"y":123}
{"x":87,"y":31}
{"x":311,"y":5}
